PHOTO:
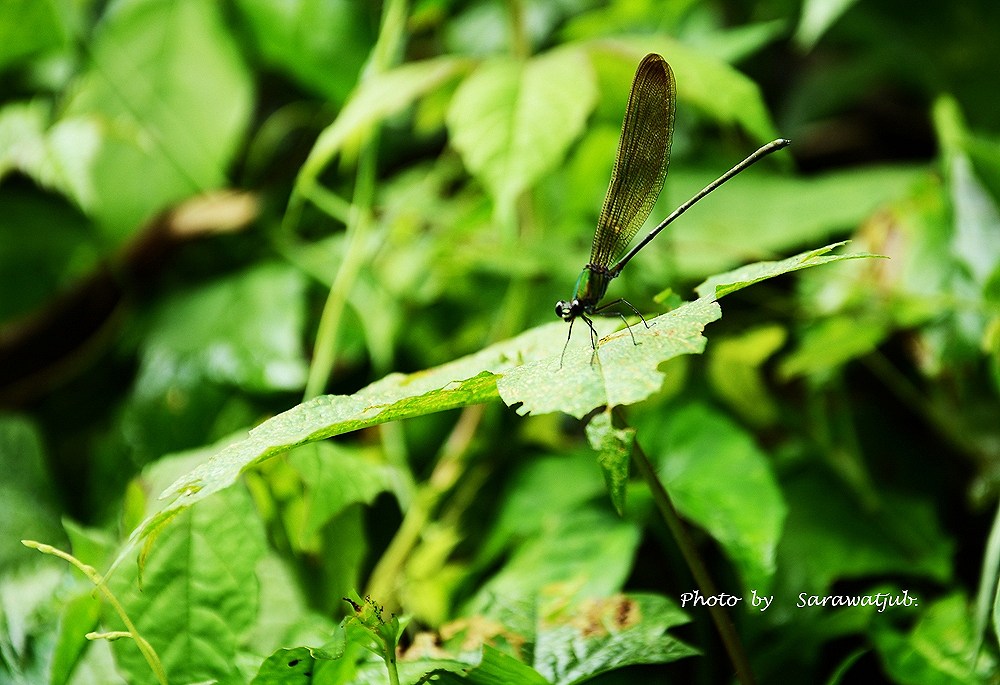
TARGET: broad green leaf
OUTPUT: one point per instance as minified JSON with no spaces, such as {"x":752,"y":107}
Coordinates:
{"x":393,"y":398}
{"x":495,"y":668}
{"x":817,"y":17}
{"x":606,"y":634}
{"x":285,"y":667}
{"x":243,"y":330}
{"x":337,"y":476}
{"x":723,"y":284}
{"x":829,"y":343}
{"x":620,"y":373}
{"x":26,"y":610}
{"x":28,"y":509}
{"x":589,"y":551}
{"x":22,"y":137}
{"x":976,"y":240}
{"x":720,"y":480}
{"x":79,"y":616}
{"x":482,"y":29}
{"x":298,"y":38}
{"x":171,"y":97}
{"x":938,"y":651}
{"x":285,"y":615}
{"x":614,"y":450}
{"x":28,"y":27}
{"x":198,"y":597}
{"x":419,"y":671}
{"x":44,"y":247}
{"x":830,"y":535}
{"x":525,"y":369}
{"x":734,"y":44}
{"x":575,"y":641}
{"x":73,"y":149}
{"x":735,"y":371}
{"x":301,"y":665}
{"x":514,"y":121}
{"x":375,"y":99}
{"x":520,"y":517}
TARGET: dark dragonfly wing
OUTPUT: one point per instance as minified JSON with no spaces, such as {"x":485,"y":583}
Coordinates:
{"x":641,"y":162}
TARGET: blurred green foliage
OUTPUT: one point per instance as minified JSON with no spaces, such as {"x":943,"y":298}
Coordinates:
{"x":213,"y":213}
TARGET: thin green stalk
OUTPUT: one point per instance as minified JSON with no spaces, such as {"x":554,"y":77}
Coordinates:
{"x":518,"y":35}
{"x":448,"y":469}
{"x":390,"y":666}
{"x":358,"y":230}
{"x":723,"y":622}
{"x":147,"y":649}
{"x":387,"y":48}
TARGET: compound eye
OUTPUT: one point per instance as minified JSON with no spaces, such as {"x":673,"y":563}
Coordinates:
{"x":562,"y":309}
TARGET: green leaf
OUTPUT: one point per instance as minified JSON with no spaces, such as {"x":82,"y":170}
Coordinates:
{"x":394,"y":397}
{"x":976,"y":240}
{"x":735,"y":44}
{"x":614,"y":449}
{"x":723,"y":284}
{"x":938,"y":651}
{"x":198,"y":597}
{"x":22,"y":137}
{"x":79,"y":616}
{"x":44,"y":247}
{"x":720,"y":480}
{"x":29,"y":27}
{"x":987,"y":603}
{"x":817,"y":17}
{"x":622,"y":373}
{"x":286,"y":667}
{"x":27,"y":506}
{"x":540,"y":383}
{"x":171,"y":96}
{"x":831,"y":535}
{"x":607,"y":634}
{"x":287,"y":36}
{"x":243,"y":330}
{"x":417,"y":672}
{"x":375,"y":99}
{"x":735,"y":371}
{"x":588,"y":550}
{"x":514,"y":121}
{"x":338,"y":476}
{"x":830,"y":343}
{"x":27,"y":600}
{"x":520,"y":518}
{"x":498,"y":668}
{"x":575,"y":641}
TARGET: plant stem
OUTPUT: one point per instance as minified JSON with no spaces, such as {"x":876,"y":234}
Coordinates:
{"x":447,"y":471}
{"x":390,"y":666}
{"x":518,"y":39}
{"x":385,"y":53}
{"x":358,"y":228}
{"x":723,"y":622}
{"x":147,"y":649}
